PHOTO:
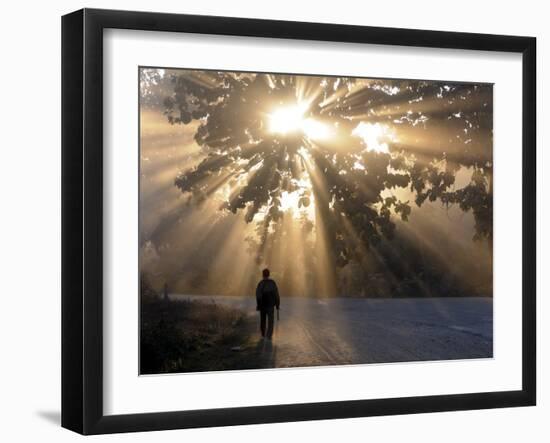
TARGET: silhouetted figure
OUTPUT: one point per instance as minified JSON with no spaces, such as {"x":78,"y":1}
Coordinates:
{"x":267,"y":299}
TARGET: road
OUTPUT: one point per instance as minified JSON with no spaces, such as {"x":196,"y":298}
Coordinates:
{"x":336,"y":331}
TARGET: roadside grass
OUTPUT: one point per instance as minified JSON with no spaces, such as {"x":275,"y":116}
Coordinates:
{"x":192,"y":336}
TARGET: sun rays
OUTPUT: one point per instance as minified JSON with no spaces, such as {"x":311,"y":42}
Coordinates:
{"x":309,"y":175}
{"x":291,"y":120}
{"x":376,"y":136}
{"x":288,"y":119}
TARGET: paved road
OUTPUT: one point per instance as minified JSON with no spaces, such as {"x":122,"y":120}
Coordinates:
{"x":314,"y":332}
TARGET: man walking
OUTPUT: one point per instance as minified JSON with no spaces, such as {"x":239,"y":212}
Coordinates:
{"x":267,"y":299}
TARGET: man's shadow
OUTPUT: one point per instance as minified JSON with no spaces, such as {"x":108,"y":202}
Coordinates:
{"x":267,"y":351}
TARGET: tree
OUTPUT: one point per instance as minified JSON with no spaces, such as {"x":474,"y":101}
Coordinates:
{"x":340,"y":144}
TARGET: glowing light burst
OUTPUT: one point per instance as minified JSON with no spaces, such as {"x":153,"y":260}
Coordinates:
{"x":316,"y":130}
{"x":289,"y":200}
{"x":290,"y":119}
{"x":290,"y":203}
{"x":375,"y":135}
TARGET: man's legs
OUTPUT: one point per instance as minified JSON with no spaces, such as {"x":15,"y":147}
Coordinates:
{"x":270,"y":320}
{"x":263,"y":314}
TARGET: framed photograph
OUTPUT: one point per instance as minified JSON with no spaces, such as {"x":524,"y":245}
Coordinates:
{"x":269,"y":221}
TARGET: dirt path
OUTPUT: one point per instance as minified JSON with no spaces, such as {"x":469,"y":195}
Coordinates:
{"x":341,"y":331}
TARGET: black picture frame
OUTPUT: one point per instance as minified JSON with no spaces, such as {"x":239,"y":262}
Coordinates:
{"x":82,"y":219}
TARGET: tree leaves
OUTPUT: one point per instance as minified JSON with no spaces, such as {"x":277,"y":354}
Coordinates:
{"x":441,"y":129}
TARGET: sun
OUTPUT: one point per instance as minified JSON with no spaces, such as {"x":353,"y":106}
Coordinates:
{"x":287,"y":119}
{"x":290,"y":120}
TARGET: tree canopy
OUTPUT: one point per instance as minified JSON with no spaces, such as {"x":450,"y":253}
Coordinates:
{"x":353,"y":153}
